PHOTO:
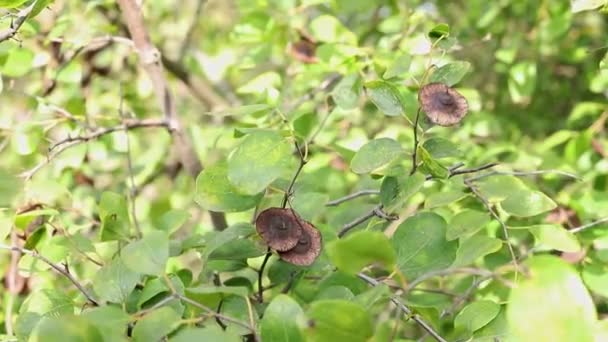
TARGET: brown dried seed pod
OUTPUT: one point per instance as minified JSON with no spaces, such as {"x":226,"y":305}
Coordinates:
{"x":308,"y":248}
{"x":279,"y":228}
{"x":443,"y":105}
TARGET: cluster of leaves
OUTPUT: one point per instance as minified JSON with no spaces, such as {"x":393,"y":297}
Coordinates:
{"x":311,"y":118}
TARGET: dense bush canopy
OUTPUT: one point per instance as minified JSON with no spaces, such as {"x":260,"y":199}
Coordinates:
{"x":304,"y":170}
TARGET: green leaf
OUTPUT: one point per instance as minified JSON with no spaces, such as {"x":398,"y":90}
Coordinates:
{"x":114,"y":282}
{"x":262,"y":157}
{"x":110,"y":320}
{"x":375,"y":154}
{"x":440,"y":199}
{"x":476,"y":315}
{"x":435,"y":168}
{"x":466,"y":223}
{"x":474,"y":248}
{"x":215,"y":192}
{"x":498,"y":188}
{"x":155,"y":325}
{"x":400,"y":66}
{"x":18,"y":63}
{"x":239,"y":249}
{"x":148,"y":255}
{"x":585,"y":5}
{"x":347,"y":92}
{"x":386,"y":97}
{"x":68,"y":328}
{"x":327,"y":28}
{"x":10,"y":186}
{"x":440,"y":30}
{"x":450,"y":73}
{"x":395,"y":191}
{"x":211,"y":289}
{"x":441,"y":148}
{"x":527,"y":203}
{"x":239,"y":231}
{"x":595,"y":276}
{"x":172,"y":220}
{"x":522,"y":82}
{"x":360,"y":249}
{"x":373,"y":295}
{"x":310,"y":205}
{"x":157,"y":286}
{"x":114,"y":215}
{"x":421,"y":245}
{"x":553,"y":236}
{"x":280,"y":321}
{"x":338,"y":320}
{"x":11,"y":3}
{"x":39,"y":6}
{"x":552,"y":295}
{"x":241,"y":110}
{"x":40,"y":304}
{"x":208,"y":333}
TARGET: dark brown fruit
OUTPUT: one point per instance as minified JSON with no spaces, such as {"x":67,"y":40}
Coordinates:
{"x":279,"y":228}
{"x":308,"y":248}
{"x":443,"y":105}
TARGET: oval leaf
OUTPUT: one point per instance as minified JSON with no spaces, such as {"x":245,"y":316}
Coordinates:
{"x":360,"y":249}
{"x":261,"y":158}
{"x":421,"y":245}
{"x":280,"y":320}
{"x":375,"y":154}
{"x":215,"y":192}
{"x":148,"y":255}
{"x":552,"y":296}
{"x":338,"y":320}
{"x":385,"y":96}
{"x":527,"y":203}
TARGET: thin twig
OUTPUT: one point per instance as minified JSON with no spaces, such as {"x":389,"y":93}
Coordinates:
{"x":213,"y":313}
{"x":525,"y":173}
{"x":472,"y":170}
{"x":406,"y":310}
{"x":440,"y":273}
{"x":17,"y":22}
{"x":56,"y":267}
{"x":68,"y":142}
{"x":589,"y":225}
{"x":415,"y":151}
{"x":191,"y":28}
{"x":261,"y":275}
{"x":493,"y":212}
{"x":127,"y":124}
{"x":289,"y":191}
{"x":375,"y":211}
{"x":326,"y":85}
{"x":354,"y":195}
{"x":132,"y":188}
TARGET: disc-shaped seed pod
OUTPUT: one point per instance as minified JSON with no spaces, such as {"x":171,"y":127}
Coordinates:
{"x":308,"y":248}
{"x":279,"y":228}
{"x":443,"y":105}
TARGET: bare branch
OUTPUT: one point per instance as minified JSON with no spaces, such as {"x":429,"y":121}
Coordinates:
{"x":445,"y":272}
{"x":376,"y":211}
{"x":525,"y":173}
{"x":214,"y":313}
{"x":405,"y":309}
{"x":589,"y":225}
{"x":352,"y":196}
{"x":59,"y":269}
{"x":61,"y":146}
{"x":150,"y":59}
{"x":17,"y":22}
{"x":415,"y":151}
{"x":493,"y":212}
